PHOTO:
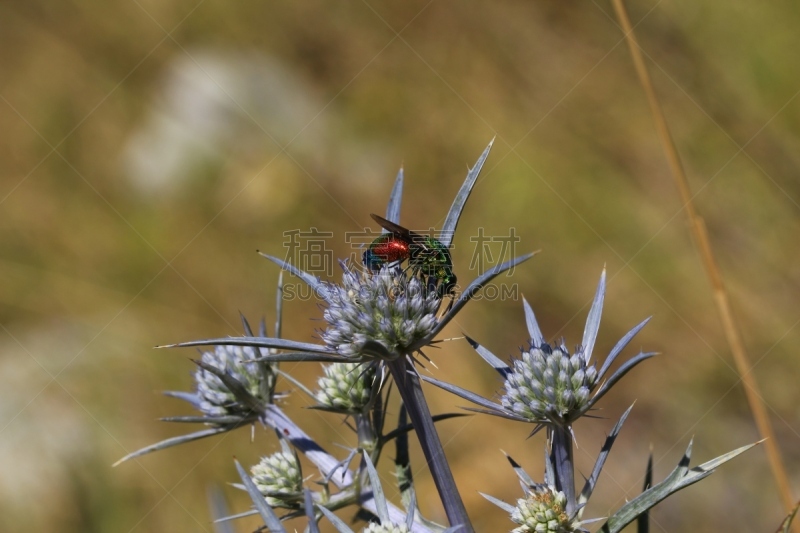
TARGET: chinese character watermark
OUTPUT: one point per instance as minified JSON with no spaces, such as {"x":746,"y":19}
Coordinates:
{"x":308,"y":251}
{"x":484,"y":245}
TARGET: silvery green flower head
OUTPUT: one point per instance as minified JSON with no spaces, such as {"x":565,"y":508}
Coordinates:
{"x":389,"y":307}
{"x":547,"y":385}
{"x":544,"y":509}
{"x":279,"y":478}
{"x":234,"y":387}
{"x":346,"y":387}
{"x":217,"y":398}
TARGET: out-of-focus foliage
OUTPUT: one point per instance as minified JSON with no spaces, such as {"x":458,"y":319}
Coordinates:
{"x":147,"y":149}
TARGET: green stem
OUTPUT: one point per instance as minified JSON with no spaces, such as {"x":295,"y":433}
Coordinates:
{"x":366,"y":433}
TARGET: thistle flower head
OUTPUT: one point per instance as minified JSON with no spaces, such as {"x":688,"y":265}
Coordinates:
{"x":346,"y":387}
{"x":550,"y":386}
{"x":215,"y":398}
{"x":543,"y":511}
{"x":548,"y":383}
{"x":389,"y":307}
{"x":279,"y":478}
{"x":386,"y":528}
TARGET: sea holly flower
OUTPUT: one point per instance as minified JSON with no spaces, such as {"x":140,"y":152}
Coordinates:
{"x":551,"y":388}
{"x":542,"y":511}
{"x":279,"y":477}
{"x":238,"y":362}
{"x":234,"y":387}
{"x":547,"y":385}
{"x":387,"y":307}
{"x":346,"y":388}
{"x":546,"y":508}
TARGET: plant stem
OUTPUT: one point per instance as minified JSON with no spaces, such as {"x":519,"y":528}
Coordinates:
{"x":411,"y":392}
{"x":563,"y":464}
{"x":366,"y":433}
{"x":703,"y":244}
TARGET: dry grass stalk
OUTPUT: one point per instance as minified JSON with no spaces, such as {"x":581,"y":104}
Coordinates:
{"x":701,"y":240}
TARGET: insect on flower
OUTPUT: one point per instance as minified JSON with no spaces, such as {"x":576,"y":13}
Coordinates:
{"x":426,"y":255}
{"x":386,"y":249}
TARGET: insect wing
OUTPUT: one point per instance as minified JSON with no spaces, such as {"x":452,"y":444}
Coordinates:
{"x":405,"y":233}
{"x":392,"y":227}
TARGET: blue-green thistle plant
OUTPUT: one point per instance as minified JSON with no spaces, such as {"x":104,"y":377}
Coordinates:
{"x":545,"y":508}
{"x":551,"y":388}
{"x":384,"y":522}
{"x":547,"y":385}
{"x":377,"y":325}
{"x":386,"y":319}
{"x":233,"y":388}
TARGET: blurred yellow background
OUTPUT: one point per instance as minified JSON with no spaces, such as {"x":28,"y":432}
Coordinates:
{"x":148,"y":148}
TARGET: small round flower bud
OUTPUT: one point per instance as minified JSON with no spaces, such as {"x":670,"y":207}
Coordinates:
{"x":257,"y":378}
{"x":279,"y":479}
{"x":543,"y":511}
{"x":578,"y":378}
{"x":388,"y":306}
{"x":568,"y":399}
{"x":346,"y":387}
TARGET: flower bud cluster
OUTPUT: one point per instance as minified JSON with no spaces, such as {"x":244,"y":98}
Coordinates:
{"x":346,"y":387}
{"x":390,"y":528}
{"x":549,"y":384}
{"x":543,"y":511}
{"x":387,"y":306}
{"x":257,"y":378}
{"x":279,"y":478}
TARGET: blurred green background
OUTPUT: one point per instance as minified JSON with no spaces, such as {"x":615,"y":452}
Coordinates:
{"x":149,"y":148}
